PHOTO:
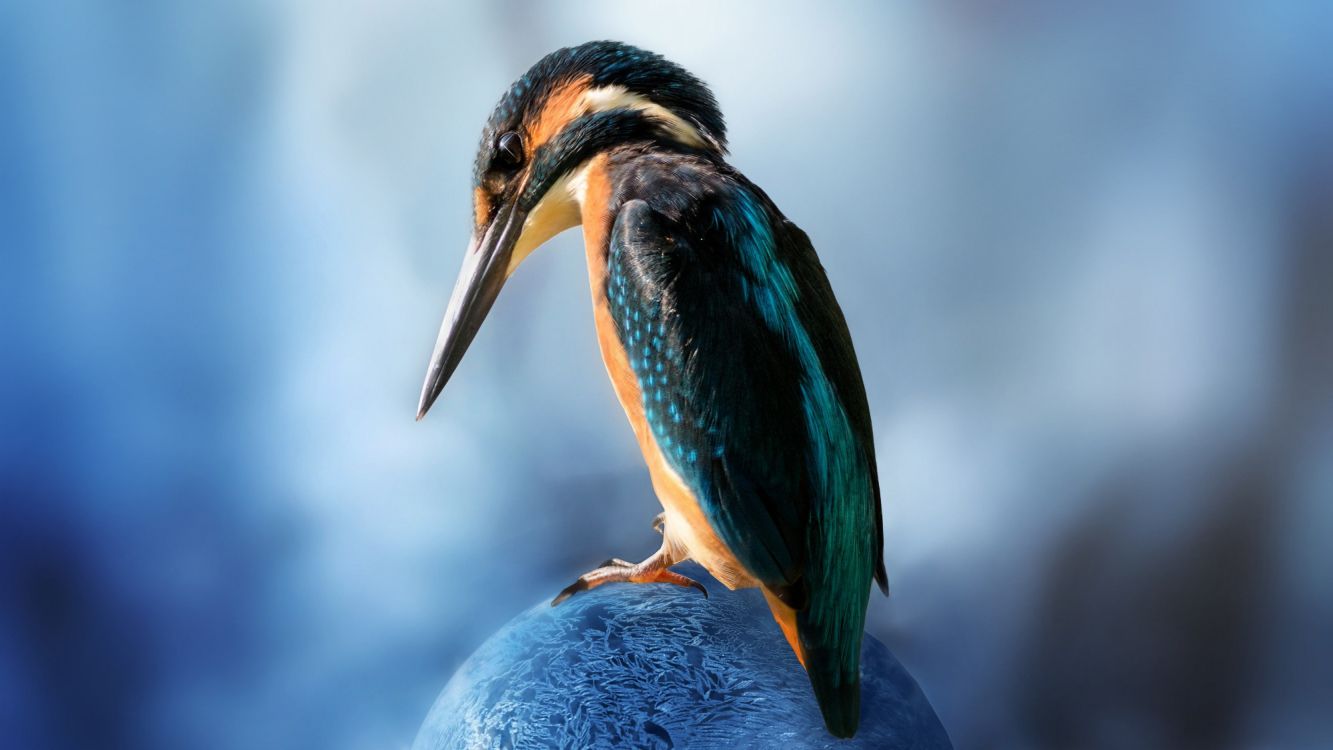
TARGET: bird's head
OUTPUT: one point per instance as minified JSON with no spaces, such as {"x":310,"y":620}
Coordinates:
{"x":530,"y":173}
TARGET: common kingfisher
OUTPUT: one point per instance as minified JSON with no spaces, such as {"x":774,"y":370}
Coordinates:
{"x":720,"y":332}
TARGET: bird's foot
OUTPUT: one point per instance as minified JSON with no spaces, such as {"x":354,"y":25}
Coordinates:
{"x":659,"y":523}
{"x":655,"y":569}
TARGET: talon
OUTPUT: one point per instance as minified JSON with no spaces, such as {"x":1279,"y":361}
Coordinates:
{"x":653,"y":570}
{"x":580,"y":585}
{"x":659,"y":522}
{"x":694,"y":585}
{"x":670,"y":576}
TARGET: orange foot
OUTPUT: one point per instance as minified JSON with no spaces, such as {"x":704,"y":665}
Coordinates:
{"x":655,"y":569}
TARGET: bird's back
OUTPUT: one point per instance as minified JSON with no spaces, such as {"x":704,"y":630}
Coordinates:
{"x":751,"y":391}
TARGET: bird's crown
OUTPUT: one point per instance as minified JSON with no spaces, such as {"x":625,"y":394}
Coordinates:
{"x":600,"y":86}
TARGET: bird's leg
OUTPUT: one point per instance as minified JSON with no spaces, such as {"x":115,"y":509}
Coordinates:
{"x":656,"y":569}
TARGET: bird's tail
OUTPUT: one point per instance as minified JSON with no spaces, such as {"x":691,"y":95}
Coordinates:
{"x":833,"y":663}
{"x":830,"y":651}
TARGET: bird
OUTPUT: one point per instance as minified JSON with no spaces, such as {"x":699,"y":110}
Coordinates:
{"x":718,"y":328}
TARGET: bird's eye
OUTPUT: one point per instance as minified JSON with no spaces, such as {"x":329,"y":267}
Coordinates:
{"x":509,"y":150}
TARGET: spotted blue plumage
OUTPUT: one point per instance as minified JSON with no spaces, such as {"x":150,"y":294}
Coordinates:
{"x":657,"y":359}
{"x":750,"y":388}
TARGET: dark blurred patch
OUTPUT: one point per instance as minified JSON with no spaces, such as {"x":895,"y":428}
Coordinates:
{"x":80,"y":660}
{"x":1141,"y":647}
{"x":1138,"y":645}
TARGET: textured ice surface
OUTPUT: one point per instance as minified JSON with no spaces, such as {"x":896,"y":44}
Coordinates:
{"x":657,"y":666}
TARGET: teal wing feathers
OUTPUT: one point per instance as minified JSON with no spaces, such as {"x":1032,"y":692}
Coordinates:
{"x":752,"y":390}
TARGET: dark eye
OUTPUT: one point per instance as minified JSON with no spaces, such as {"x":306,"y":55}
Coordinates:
{"x":509,"y":150}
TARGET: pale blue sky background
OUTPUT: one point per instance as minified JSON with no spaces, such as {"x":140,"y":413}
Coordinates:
{"x":1085,"y":255}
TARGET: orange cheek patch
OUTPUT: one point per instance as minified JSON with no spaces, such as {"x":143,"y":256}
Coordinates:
{"x":560,"y":107}
{"x":481,"y":204}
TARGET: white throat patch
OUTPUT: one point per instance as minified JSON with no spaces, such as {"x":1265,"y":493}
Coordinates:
{"x":560,"y":209}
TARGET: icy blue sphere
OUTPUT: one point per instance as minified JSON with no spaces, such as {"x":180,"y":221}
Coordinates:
{"x":657,"y":666}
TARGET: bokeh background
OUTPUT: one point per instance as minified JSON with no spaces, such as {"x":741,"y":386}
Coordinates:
{"x":1086,"y":255}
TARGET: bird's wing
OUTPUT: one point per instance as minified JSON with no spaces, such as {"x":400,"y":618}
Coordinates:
{"x":824,"y":322}
{"x":752,"y":392}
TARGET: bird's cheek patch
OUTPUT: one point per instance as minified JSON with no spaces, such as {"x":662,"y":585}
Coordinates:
{"x":481,"y":204}
{"x":563,"y":105}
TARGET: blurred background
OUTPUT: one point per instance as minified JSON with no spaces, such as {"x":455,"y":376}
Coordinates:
{"x":1086,"y":255}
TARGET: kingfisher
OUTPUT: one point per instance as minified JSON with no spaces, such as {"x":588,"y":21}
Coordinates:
{"x":718,"y":328}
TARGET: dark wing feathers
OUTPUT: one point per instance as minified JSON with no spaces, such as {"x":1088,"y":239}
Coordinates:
{"x":823,"y":317}
{"x":751,"y":387}
{"x":718,"y":393}
{"x":733,"y":384}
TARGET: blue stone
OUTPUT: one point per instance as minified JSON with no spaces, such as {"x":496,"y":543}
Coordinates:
{"x":658,"y":666}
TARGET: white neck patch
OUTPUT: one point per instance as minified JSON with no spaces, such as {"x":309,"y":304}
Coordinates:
{"x":618,"y":97}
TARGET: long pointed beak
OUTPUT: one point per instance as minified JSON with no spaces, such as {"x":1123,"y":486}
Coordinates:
{"x":485,"y":269}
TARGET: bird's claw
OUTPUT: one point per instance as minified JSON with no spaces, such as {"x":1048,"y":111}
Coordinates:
{"x":619,"y":571}
{"x":659,"y":523}
{"x":580,"y":585}
{"x":669,"y":576}
{"x":696,"y":585}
